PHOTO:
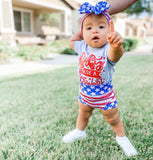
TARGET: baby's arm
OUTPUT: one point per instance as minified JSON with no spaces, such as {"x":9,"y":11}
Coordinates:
{"x":115,"y":41}
{"x":76,"y":37}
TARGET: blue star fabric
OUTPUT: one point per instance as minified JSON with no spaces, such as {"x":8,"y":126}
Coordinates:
{"x":99,"y":8}
{"x":96,"y":90}
{"x":98,"y":96}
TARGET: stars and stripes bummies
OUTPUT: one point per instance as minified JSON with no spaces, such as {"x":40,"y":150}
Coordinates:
{"x":98,"y":96}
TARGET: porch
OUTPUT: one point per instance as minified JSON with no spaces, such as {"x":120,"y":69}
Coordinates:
{"x":20,"y":20}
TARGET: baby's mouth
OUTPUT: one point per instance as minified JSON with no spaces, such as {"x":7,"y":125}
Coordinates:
{"x":96,"y":38}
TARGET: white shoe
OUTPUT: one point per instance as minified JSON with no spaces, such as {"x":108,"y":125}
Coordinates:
{"x":126,"y":145}
{"x":74,"y":135}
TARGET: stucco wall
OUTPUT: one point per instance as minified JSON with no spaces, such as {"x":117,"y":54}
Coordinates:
{"x":76,"y":21}
{"x":6,"y":15}
{"x":0,"y":18}
{"x":36,"y":7}
{"x":6,"y":21}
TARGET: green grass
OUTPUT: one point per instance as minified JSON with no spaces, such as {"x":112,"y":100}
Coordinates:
{"x":37,"y":110}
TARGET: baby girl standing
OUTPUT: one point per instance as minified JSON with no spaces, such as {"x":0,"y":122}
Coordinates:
{"x":100,"y":49}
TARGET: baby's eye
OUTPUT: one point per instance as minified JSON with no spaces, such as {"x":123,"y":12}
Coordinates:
{"x":89,"y":28}
{"x":101,"y":27}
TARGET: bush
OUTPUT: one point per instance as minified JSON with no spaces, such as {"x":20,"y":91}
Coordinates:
{"x":126,"y":45}
{"x":58,"y":46}
{"x":6,"y":51}
{"x":33,"y":53}
{"x":69,"y":51}
{"x":129,"y":44}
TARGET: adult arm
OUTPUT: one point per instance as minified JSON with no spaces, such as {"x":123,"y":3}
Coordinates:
{"x":119,"y":5}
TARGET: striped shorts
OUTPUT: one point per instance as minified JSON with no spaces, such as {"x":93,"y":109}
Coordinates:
{"x":98,"y":96}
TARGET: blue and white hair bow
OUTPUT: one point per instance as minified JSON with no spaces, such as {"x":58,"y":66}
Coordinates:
{"x":99,"y":8}
{"x":88,"y":9}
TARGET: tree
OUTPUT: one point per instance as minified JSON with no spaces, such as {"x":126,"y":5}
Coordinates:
{"x":140,"y":6}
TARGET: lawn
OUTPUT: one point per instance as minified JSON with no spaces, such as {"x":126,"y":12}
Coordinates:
{"x":37,"y":110}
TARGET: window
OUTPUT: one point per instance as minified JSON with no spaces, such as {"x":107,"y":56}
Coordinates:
{"x":22,"y":21}
{"x":17,"y":19}
{"x":26,"y":17}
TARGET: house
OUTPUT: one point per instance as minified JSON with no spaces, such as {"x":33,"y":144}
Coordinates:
{"x":139,"y":28}
{"x":20,"y":19}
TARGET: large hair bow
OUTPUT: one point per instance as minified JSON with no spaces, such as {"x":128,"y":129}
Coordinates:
{"x":99,"y":8}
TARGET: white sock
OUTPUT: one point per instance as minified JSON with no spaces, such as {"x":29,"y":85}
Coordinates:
{"x":73,"y":135}
{"x":79,"y":131}
{"x":126,"y":145}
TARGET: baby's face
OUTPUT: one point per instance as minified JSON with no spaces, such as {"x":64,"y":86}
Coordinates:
{"x":95,"y":29}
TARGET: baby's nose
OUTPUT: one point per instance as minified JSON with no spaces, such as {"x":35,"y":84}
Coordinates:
{"x":95,"y":30}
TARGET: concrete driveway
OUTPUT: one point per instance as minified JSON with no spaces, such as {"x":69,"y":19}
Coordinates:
{"x":22,"y":68}
{"x":54,"y":61}
{"x":60,"y":59}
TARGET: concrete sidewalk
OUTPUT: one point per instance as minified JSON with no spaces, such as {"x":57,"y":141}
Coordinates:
{"x":53,"y":62}
{"x":141,"y":50}
{"x":23,"y":68}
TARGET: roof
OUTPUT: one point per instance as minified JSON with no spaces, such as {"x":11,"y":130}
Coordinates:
{"x":72,"y":3}
{"x":46,"y":5}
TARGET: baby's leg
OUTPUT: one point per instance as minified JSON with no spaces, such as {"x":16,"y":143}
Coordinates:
{"x":112,"y":117}
{"x":84,"y":114}
{"x":82,"y":120}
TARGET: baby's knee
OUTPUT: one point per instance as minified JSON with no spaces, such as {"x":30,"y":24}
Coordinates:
{"x":111,"y":116}
{"x":113,"y":120}
{"x":85,"y":115}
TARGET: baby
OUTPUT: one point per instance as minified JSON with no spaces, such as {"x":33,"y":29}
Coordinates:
{"x":98,"y":52}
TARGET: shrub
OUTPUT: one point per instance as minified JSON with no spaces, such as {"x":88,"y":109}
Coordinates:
{"x":129,"y":44}
{"x":58,"y":46}
{"x":33,"y":53}
{"x":126,"y":45}
{"x":7,"y":51}
{"x":69,"y":51}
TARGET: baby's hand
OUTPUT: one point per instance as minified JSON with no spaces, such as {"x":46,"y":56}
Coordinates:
{"x":114,"y":38}
{"x":79,"y":35}
{"x":76,"y":37}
